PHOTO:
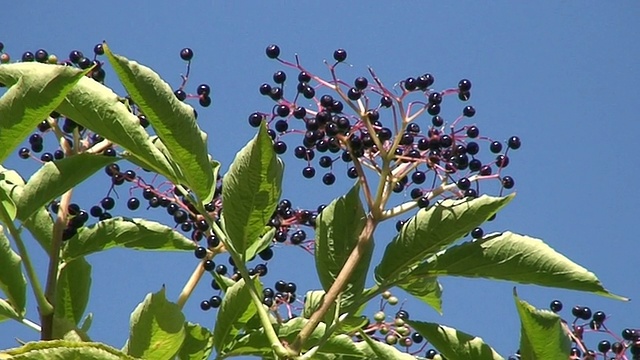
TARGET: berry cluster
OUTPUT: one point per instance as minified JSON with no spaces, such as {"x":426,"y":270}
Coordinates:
{"x":351,"y":127}
{"x":396,"y":331}
{"x":584,"y":322}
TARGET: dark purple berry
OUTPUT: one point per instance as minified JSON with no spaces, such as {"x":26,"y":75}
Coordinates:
{"x":308,"y":172}
{"x":555,"y":306}
{"x":28,"y":56}
{"x":328,"y":179}
{"x":108,"y":203}
{"x":340,"y":55}
{"x":463,"y":183}
{"x":469,"y":111}
{"x":464,"y":85}
{"x":255,"y":119}
{"x":361,"y":83}
{"x":273,"y":51}
{"x":514,"y":142}
{"x":508,"y":182}
{"x":205,"y":305}
{"x":133,"y":203}
{"x":423,"y":202}
{"x":279,"y":77}
{"x":477,"y":233}
{"x":200,"y":252}
{"x":186,"y":54}
{"x":485,"y":170}
{"x":495,"y":147}
{"x":24,"y":153}
{"x":180,"y":94}
{"x":209,"y":265}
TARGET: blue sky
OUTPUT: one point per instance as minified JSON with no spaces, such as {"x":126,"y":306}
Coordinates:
{"x":561,"y":75}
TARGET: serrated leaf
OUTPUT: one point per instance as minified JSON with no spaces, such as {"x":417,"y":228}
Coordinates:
{"x":30,"y":99}
{"x":173,"y":121}
{"x":63,"y":349}
{"x":425,"y":288}
{"x":384,"y":351}
{"x":56,"y":177}
{"x":98,"y":108}
{"x":72,"y":292}
{"x":12,"y":280}
{"x":197,"y":344}
{"x":157,"y":328}
{"x":514,"y":257}
{"x":432,"y":230}
{"x":236,"y":309}
{"x":541,"y":333}
{"x":454,"y":344}
{"x":338,"y":229}
{"x":251,"y":191}
{"x":125,"y":232}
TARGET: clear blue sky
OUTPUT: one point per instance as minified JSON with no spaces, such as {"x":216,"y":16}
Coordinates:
{"x":561,"y":75}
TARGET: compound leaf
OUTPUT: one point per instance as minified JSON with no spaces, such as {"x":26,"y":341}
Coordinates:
{"x":197,"y":344}
{"x":235,"y":311}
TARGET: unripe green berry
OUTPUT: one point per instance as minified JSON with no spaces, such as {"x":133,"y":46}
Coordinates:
{"x":379,"y":316}
{"x":398,"y":322}
{"x":391,"y":339}
{"x":386,"y":295}
{"x":403,"y":330}
{"x":392,"y":300}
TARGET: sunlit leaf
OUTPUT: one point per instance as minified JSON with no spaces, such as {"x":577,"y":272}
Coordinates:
{"x":234,"y":312}
{"x":72,"y":292}
{"x":251,"y":191}
{"x":56,"y":177}
{"x":425,"y":288}
{"x":432,"y":230}
{"x":32,"y":96}
{"x":197,"y":344}
{"x":157,"y":328}
{"x":384,"y":351}
{"x":125,"y":232}
{"x":541,"y":335}
{"x":513,"y":257}
{"x":63,"y":349}
{"x":173,"y":121}
{"x":454,"y":344}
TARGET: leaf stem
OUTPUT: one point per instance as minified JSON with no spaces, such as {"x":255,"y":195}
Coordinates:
{"x":338,"y":285}
{"x":43,"y":305}
{"x":190,"y":285}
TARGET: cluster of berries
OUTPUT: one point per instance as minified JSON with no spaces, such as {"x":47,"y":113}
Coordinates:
{"x":350,"y":127}
{"x":396,"y":331}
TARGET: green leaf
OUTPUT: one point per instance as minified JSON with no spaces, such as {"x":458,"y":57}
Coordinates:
{"x":256,"y":342}
{"x":236,"y":309}
{"x":313,"y":301}
{"x":86,"y":323}
{"x":125,"y":232}
{"x":40,"y":224}
{"x":251,"y":191}
{"x":7,"y":311}
{"x":454,"y":344}
{"x":63,"y":328}
{"x":72,"y":293}
{"x":30,"y":99}
{"x":7,"y":203}
{"x":157,"y":328}
{"x":541,"y":335}
{"x":338,"y":228}
{"x":198,"y":343}
{"x":223,"y":281}
{"x":384,"y":351}
{"x":425,"y":288}
{"x":514,"y":257}
{"x":263,"y":243}
{"x":56,"y":177}
{"x":12,"y":280}
{"x":173,"y":121}
{"x":432,"y":230}
{"x":63,"y":349}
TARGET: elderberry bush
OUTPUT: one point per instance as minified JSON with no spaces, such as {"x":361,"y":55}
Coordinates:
{"x":438,"y":178}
